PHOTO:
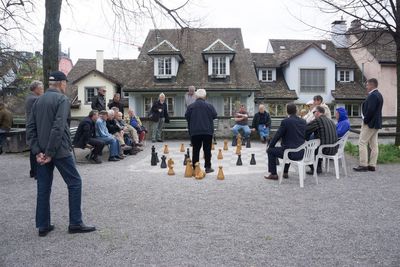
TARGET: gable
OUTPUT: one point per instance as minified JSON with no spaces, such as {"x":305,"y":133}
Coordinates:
{"x":164,"y":46}
{"x":218,"y":46}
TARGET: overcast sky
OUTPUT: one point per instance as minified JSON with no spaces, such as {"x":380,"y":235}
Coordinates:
{"x":88,"y":25}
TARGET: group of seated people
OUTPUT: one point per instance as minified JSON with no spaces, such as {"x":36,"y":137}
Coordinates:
{"x":294,"y":131}
{"x":103,"y":127}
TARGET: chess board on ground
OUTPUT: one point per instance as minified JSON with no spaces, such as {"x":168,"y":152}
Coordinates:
{"x":228,"y":162}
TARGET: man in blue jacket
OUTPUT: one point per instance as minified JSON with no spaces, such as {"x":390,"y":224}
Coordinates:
{"x":49,"y":139}
{"x":200,"y":116}
{"x":343,"y":123}
{"x":372,"y":122}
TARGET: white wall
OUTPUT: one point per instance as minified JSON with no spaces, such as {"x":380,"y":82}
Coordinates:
{"x":92,"y":80}
{"x":311,"y":59}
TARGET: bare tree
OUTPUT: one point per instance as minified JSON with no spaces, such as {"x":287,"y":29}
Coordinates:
{"x":379,"y":17}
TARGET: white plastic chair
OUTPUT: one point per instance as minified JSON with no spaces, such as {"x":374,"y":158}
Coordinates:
{"x":309,"y":148}
{"x":339,"y":155}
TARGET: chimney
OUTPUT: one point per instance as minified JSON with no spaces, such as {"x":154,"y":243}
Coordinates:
{"x":339,"y":37}
{"x":355,"y":26}
{"x":100,"y":60}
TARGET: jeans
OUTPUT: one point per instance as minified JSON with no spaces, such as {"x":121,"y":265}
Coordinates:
{"x":263,"y":131}
{"x":114,"y":145}
{"x":68,"y":171}
{"x":157,"y":129}
{"x":97,"y":144}
{"x":244,"y":128}
{"x":197,"y":142}
{"x":277,"y":152}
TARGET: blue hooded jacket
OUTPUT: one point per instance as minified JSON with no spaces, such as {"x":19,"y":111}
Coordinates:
{"x":343,"y":124}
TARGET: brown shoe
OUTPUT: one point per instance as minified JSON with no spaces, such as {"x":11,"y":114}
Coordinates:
{"x":361,"y":169}
{"x":271,"y":177}
{"x":371,"y":168}
{"x":285,"y":175}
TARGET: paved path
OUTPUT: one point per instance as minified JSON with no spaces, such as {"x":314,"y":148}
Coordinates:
{"x":148,"y":218}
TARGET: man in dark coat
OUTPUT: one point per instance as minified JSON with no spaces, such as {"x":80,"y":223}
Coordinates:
{"x":323,"y":129}
{"x":261,"y":123}
{"x":49,"y":138}
{"x":86,"y":134}
{"x":99,"y":101}
{"x":116,"y":102}
{"x":158,"y":116}
{"x":291,"y":132}
{"x":372,"y":122}
{"x":37,"y":90}
{"x":200,"y":116}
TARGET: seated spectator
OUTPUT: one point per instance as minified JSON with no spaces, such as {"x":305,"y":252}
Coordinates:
{"x":5,"y":124}
{"x":136,"y":123}
{"x":103,"y":134}
{"x":116,"y":102}
{"x":324,"y":129}
{"x":241,"y":119}
{"x":86,"y":134}
{"x":309,"y":117}
{"x":261,"y":123}
{"x":116,"y":130}
{"x":319,"y":101}
{"x":291,"y":132}
{"x":343,"y":123}
{"x":131,"y":137}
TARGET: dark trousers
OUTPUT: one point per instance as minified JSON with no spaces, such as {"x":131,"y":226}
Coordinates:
{"x":68,"y":171}
{"x":98,"y":146}
{"x":197,"y":142}
{"x":32,"y":160}
{"x":277,"y":152}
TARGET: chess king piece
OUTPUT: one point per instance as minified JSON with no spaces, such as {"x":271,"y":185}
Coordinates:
{"x":220,"y":175}
{"x":238,"y":149}
{"x":253,"y":159}
{"x":185,"y":160}
{"x":220,"y":156}
{"x":225,"y":144}
{"x":189,"y":169}
{"x":212,"y":146}
{"x":163,"y":164}
{"x":166,"y":151}
{"x":153,"y":156}
{"x":239,"y":160}
{"x":248,"y":145}
{"x":182,"y":148}
{"x":239,"y":139}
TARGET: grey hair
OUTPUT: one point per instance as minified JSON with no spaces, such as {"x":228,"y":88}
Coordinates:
{"x":110,"y":112}
{"x":161,"y":95}
{"x":201,"y":93}
{"x":35,"y":84}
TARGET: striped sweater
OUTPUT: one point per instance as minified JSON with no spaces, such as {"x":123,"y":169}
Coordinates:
{"x":324,"y":129}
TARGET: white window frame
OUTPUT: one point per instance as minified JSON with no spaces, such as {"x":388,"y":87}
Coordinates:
{"x":267,"y":75}
{"x":219,"y":66}
{"x":164,"y":67}
{"x":345,"y":75}
{"x":231,"y":100}
{"x":169,"y":100}
{"x":95,"y":88}
{"x":350,"y":109}
{"x":313,"y":83}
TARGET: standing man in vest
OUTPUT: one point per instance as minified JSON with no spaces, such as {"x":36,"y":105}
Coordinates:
{"x":49,"y":139}
{"x":99,"y":102}
{"x":372,"y":122}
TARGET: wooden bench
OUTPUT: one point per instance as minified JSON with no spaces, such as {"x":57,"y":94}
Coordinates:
{"x":19,"y":122}
{"x":181,"y":125}
{"x":357,"y":129}
{"x":275,"y":123}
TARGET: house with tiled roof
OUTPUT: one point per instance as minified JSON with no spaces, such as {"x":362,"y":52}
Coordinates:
{"x":374,"y":50}
{"x":297,"y":70}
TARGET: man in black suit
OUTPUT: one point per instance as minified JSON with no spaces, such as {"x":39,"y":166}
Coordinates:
{"x":86,"y":134}
{"x":292,"y":134}
{"x":372,"y":122}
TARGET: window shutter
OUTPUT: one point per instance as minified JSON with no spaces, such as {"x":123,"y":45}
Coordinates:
{"x":228,"y":69}
{"x":155,"y":66}
{"x":210,"y":62}
{"x":274,"y":74}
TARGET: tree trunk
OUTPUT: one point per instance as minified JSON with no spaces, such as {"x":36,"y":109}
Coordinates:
{"x":397,"y":140}
{"x":51,"y":35}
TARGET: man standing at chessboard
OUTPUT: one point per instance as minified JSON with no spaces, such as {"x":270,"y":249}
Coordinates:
{"x":200,"y":116}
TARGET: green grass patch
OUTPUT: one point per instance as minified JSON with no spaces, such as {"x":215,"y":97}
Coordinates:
{"x":388,"y":153}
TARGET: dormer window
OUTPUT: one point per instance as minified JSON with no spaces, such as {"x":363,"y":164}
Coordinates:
{"x":345,"y":76}
{"x":219,"y":66}
{"x":267,"y":75}
{"x":164,"y":66}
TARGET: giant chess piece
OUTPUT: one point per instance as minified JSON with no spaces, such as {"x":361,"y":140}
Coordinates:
{"x":239,"y":139}
{"x":220,"y":156}
{"x":166,"y":151}
{"x":171,"y":167}
{"x":225,"y":144}
{"x":215,"y":140}
{"x":163,"y":164}
{"x":185,"y":160}
{"x":253,"y":159}
{"x":212,"y":146}
{"x":153,"y":156}
{"x":220,"y":175}
{"x":238,"y":149}
{"x":239,"y":160}
{"x":197,"y":171}
{"x":189,"y":168}
{"x":248,"y":145}
{"x":182,"y":148}
{"x":158,"y":159}
{"x":188,"y":152}
{"x":234,"y":140}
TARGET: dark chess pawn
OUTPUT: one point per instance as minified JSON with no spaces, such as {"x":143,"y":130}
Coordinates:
{"x":239,"y":160}
{"x":248,"y":145}
{"x":188,"y":153}
{"x":184,"y":161}
{"x":253,"y":160}
{"x":153,"y":156}
{"x":163,"y":164}
{"x":157,"y":158}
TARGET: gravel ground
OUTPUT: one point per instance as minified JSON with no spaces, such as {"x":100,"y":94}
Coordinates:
{"x":145,"y":218}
